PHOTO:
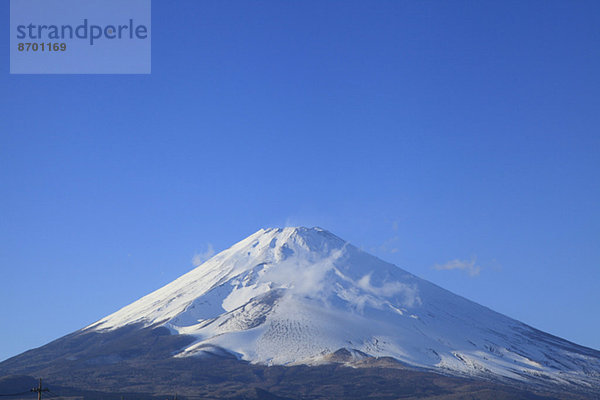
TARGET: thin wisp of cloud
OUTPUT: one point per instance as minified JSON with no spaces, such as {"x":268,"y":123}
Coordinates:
{"x":470,"y":267}
{"x":201,"y":257}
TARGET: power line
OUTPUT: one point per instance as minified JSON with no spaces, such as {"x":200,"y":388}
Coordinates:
{"x":39,"y":390}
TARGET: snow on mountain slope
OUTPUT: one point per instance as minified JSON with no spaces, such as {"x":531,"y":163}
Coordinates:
{"x":296,"y":295}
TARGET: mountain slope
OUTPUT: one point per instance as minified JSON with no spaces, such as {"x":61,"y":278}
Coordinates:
{"x":298,"y":295}
{"x":294,"y":295}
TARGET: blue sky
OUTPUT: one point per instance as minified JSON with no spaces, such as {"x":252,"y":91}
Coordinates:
{"x":430,"y":133}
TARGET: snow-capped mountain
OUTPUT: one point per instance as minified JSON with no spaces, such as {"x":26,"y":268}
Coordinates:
{"x":297,"y":295}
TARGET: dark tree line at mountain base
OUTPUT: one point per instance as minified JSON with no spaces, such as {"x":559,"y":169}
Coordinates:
{"x":138,"y":364}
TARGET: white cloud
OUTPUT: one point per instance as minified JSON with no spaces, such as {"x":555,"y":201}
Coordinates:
{"x":410,"y":293}
{"x":469,"y":267}
{"x":390,"y":245}
{"x":199,"y":258}
{"x":321,"y":280}
{"x":302,"y":276}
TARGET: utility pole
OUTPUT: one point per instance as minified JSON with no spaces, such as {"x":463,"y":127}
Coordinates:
{"x":39,"y":390}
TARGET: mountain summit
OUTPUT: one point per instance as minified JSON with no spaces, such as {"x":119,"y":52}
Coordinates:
{"x":294,"y":296}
